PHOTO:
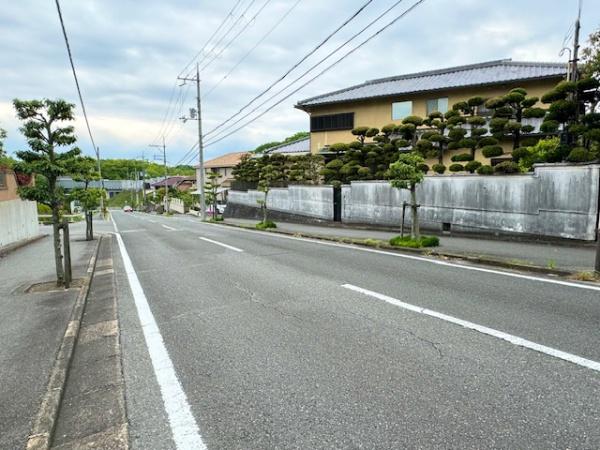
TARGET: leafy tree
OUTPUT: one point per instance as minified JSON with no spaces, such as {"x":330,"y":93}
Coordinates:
{"x":509,"y":111}
{"x":84,"y":169}
{"x":439,"y":141}
{"x":590,"y":56}
{"x":42,"y":120}
{"x":406,"y":174}
{"x":2,"y":137}
{"x":210,"y":191}
{"x":269,"y":174}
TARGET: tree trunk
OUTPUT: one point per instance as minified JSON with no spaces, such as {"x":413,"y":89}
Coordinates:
{"x":265,"y":208}
{"x":414,"y":229}
{"x":89,"y":231}
{"x":58,"y":259}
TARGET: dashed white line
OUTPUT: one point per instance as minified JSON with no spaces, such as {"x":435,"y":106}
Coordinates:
{"x":184,"y":428}
{"x":417,"y":258}
{"x":588,"y":363}
{"x":230,"y":247}
{"x":168,"y":227}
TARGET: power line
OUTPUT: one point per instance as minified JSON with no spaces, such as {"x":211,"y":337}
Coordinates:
{"x":230,"y":14}
{"x":216,"y":55}
{"x":260,"y":41}
{"x":346,"y":22}
{"x":87,"y":123}
{"x":314,"y":66}
{"x":320,"y":73}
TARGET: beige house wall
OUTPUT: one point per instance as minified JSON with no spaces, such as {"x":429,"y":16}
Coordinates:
{"x":378,"y":112}
{"x":8,"y":185}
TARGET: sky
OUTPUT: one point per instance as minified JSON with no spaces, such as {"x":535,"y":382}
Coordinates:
{"x":129,"y":53}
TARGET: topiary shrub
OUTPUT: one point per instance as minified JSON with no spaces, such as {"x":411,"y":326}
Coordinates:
{"x":424,"y":168}
{"x":490,"y":151}
{"x":579,"y":154}
{"x":364,"y":173}
{"x":472,"y":166}
{"x":507,"y":167}
{"x":334,"y":164}
{"x":356,"y":145}
{"x":520,"y":152}
{"x":438,"y":168}
{"x":485,"y":170}
{"x":488,"y":140}
{"x":43,"y":209}
{"x":456,"y":167}
{"x":462,"y":157}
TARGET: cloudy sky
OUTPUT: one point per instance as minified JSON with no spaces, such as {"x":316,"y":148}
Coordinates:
{"x":128,"y":54}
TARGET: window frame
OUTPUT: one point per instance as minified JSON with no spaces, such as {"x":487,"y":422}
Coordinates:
{"x":437,"y":105}
{"x":332,"y":122}
{"x":410,"y":102}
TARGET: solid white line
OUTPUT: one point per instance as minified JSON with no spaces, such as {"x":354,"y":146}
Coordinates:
{"x":151,"y":221}
{"x":133,"y":230}
{"x":588,"y":363}
{"x":184,"y":428}
{"x":230,"y":247}
{"x":416,"y":258}
{"x":168,"y":227}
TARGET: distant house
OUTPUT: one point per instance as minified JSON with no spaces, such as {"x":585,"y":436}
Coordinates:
{"x":294,"y":148}
{"x":171,"y":182}
{"x":18,"y":218}
{"x":223,"y":166}
{"x":379,"y":102}
{"x":112,"y":187}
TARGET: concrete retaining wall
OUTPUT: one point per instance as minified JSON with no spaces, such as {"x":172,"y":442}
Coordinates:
{"x":557,"y":200}
{"x":18,"y":221}
{"x":310,"y":201}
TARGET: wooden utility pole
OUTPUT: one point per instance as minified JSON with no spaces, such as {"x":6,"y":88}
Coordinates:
{"x":164,"y":149}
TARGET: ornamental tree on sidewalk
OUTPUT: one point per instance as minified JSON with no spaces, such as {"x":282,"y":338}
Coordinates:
{"x":406,"y":173}
{"x":84,"y":169}
{"x":42,"y":120}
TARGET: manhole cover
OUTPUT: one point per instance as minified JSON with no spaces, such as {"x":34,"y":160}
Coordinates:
{"x":50,"y":286}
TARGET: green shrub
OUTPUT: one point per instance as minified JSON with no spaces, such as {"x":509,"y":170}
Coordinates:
{"x":579,"y":154}
{"x":438,"y":168}
{"x":490,"y":151}
{"x":488,"y":140}
{"x":462,"y":157}
{"x":43,"y":209}
{"x":266,"y":225}
{"x":485,"y":170}
{"x":472,"y":166}
{"x":456,"y":167}
{"x":520,"y":152}
{"x":507,"y":167}
{"x":334,"y":164}
{"x":424,"y":168}
{"x":407,"y":241}
{"x":549,"y":126}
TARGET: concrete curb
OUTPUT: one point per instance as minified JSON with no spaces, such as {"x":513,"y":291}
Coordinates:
{"x":22,"y":243}
{"x":44,"y":423}
{"x":476,"y":259}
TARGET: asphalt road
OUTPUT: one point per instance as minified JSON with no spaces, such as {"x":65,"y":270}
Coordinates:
{"x":261,"y":340}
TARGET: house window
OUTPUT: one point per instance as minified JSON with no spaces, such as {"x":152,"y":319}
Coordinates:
{"x":400,"y":110}
{"x":437,"y":104}
{"x":484,"y":112}
{"x":330,"y":122}
{"x":3,"y":180}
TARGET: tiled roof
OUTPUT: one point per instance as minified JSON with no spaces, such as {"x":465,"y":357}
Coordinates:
{"x":228,"y":160}
{"x":299,"y":146}
{"x":487,"y":73}
{"x":171,"y":181}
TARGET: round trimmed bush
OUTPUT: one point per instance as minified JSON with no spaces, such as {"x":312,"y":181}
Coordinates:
{"x":579,"y":154}
{"x":485,"y":170}
{"x":334,"y":164}
{"x":462,"y":157}
{"x":363,"y":172}
{"x":424,"y":168}
{"x":490,"y":151}
{"x":356,"y":145}
{"x":488,"y":140}
{"x":472,"y":166}
{"x":456,"y":167}
{"x":519,"y":153}
{"x":438,"y":168}
{"x":507,"y":167}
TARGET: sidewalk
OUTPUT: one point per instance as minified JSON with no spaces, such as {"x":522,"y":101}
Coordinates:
{"x":560,"y":256}
{"x":32,"y":326}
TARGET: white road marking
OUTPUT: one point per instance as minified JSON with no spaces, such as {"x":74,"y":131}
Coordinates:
{"x":184,"y":428}
{"x":230,"y":247}
{"x":588,"y":363}
{"x":134,"y":230}
{"x":417,"y":258}
{"x":168,"y":227}
{"x":151,"y":221}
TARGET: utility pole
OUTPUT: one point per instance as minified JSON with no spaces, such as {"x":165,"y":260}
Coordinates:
{"x":101,"y":181}
{"x":143,"y":179}
{"x":197,"y":115}
{"x":164,"y":149}
{"x":574,"y":74}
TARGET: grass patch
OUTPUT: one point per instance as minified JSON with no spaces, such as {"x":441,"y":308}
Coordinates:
{"x":266,"y":225}
{"x":586,"y":276}
{"x":407,"y":241}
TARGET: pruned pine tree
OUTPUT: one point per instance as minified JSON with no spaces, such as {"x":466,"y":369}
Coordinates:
{"x":406,"y":173}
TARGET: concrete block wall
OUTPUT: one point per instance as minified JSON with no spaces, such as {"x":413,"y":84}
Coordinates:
{"x":310,"y":201}
{"x":18,"y":221}
{"x":557,"y":200}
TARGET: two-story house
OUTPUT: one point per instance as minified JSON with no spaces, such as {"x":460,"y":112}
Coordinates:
{"x":383,"y":101}
{"x":223,"y":167}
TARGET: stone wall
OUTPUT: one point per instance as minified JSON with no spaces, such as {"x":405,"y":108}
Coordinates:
{"x":557,"y":200}
{"x":18,"y":221}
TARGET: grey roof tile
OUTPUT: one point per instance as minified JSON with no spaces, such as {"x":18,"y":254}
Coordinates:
{"x":299,"y":146}
{"x":487,"y":73}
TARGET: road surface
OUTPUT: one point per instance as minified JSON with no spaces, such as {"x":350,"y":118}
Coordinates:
{"x":235,"y":339}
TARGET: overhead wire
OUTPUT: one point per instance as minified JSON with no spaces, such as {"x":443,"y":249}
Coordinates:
{"x":320,"y":73}
{"x":313,"y":67}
